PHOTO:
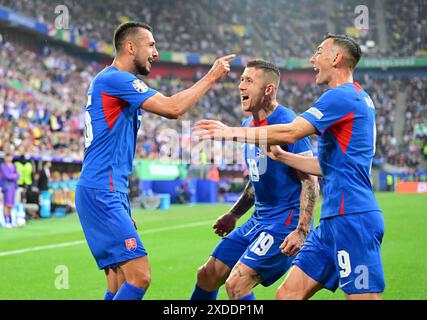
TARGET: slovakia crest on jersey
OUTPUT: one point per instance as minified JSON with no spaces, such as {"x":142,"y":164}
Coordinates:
{"x":260,"y":154}
{"x":131,"y":244}
{"x":139,"y":86}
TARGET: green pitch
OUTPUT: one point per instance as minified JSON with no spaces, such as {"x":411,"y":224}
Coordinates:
{"x":37,"y":260}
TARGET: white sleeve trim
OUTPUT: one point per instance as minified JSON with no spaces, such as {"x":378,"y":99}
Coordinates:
{"x":307,"y":153}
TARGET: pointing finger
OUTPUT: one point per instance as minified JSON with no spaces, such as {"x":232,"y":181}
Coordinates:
{"x":229,"y":57}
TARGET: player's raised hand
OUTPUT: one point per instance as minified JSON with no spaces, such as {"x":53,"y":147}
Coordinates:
{"x":210,"y":130}
{"x":293,"y":243}
{"x":221,"y":66}
{"x":225,"y":224}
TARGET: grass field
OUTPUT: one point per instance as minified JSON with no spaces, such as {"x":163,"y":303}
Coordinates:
{"x":178,"y":242}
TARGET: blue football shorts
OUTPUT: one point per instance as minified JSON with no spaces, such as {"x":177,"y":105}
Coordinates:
{"x":257,"y":246}
{"x":106,"y":220}
{"x":344,"y":252}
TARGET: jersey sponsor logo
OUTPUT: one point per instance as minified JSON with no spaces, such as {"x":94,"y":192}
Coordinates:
{"x":131,"y":244}
{"x":315,"y":112}
{"x":139,"y":86}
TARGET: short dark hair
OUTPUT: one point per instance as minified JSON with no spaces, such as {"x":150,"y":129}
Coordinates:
{"x":266,"y":66}
{"x":348,"y":44}
{"x":125,"y":29}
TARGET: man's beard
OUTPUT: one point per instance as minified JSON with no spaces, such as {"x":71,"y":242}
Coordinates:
{"x":140,"y":69}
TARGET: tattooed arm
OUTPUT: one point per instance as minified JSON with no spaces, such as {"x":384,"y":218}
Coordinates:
{"x":245,"y":202}
{"x":309,"y":194}
{"x":227,"y":222}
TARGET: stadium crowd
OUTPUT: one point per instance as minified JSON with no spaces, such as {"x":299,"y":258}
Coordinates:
{"x":282,"y":29}
{"x":406,"y":22}
{"x":416,"y":115}
{"x":43,"y":117}
{"x":38,"y":106}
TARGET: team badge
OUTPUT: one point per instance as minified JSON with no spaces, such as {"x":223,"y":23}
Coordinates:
{"x":259,"y":154}
{"x":139,"y":86}
{"x":131,"y":244}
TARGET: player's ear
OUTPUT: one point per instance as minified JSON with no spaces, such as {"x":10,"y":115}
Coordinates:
{"x":339,"y":57}
{"x":130,"y":47}
{"x":269,"y":89}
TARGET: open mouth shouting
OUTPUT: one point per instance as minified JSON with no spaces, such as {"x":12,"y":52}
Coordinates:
{"x":244,"y":98}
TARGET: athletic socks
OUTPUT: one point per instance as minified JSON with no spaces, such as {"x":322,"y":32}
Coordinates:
{"x":200,"y":294}
{"x":250,"y":296}
{"x":129,"y":292}
{"x":8,"y":219}
{"x":109,"y":295}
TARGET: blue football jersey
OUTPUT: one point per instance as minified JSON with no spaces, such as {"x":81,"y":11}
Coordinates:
{"x":112,"y":119}
{"x":344,"y":117}
{"x":277,"y":187}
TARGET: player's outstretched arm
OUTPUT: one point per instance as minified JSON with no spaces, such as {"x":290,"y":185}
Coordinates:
{"x":308,"y":165}
{"x":277,"y":134}
{"x":175,"y":106}
{"x":309,"y":194}
{"x":227,"y":222}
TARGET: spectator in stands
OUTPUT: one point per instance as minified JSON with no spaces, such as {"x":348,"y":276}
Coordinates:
{"x":390,"y":182}
{"x":32,"y":196}
{"x":183,"y":190}
{"x":65,"y":190}
{"x":9,"y":180}
{"x":25,"y":171}
{"x":44,"y":178}
{"x":59,"y":194}
{"x":72,"y":184}
{"x":214,"y":173}
{"x":133,"y":189}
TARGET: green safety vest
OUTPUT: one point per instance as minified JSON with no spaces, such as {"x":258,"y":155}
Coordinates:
{"x":25,"y":173}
